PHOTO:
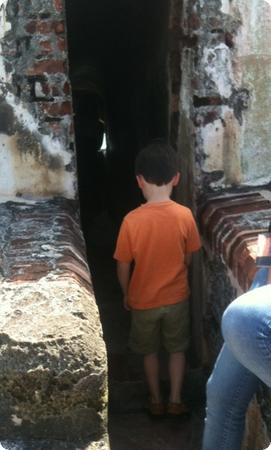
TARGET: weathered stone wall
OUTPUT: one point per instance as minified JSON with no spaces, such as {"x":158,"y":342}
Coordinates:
{"x":225,"y":91}
{"x":223,"y":139}
{"x":36,"y":134}
{"x":53,"y":368}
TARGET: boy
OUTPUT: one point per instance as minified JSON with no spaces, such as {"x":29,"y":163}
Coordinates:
{"x":158,"y":238}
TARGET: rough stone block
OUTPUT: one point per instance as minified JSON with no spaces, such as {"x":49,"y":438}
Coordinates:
{"x":53,"y":365}
{"x":52,"y":362}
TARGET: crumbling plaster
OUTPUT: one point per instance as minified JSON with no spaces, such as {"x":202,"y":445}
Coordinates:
{"x":253,"y":69}
{"x":225,"y":92}
{"x":34,"y":161}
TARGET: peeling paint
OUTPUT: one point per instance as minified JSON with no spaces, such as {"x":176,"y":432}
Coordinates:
{"x":221,"y":141}
{"x":252,"y":69}
{"x":7,"y":182}
{"x":4,"y":28}
{"x":212,"y":135}
{"x":225,"y":6}
{"x":51,"y":144}
{"x":31,"y":163}
{"x":16,"y":420}
{"x":41,"y":170}
{"x":217,"y":64}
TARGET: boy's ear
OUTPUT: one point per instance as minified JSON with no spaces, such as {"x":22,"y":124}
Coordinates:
{"x":176,"y":179}
{"x":140,"y":181}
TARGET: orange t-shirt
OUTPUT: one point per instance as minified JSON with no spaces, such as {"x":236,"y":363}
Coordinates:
{"x":157,"y":237}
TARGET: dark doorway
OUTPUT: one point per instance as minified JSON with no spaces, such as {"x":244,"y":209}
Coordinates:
{"x":118,"y":69}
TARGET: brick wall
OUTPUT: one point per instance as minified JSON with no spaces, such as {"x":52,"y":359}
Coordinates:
{"x":37,"y":134}
{"x":230,"y":225}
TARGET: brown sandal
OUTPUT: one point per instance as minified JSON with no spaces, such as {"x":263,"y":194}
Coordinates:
{"x":156,"y":409}
{"x":177,"y":409}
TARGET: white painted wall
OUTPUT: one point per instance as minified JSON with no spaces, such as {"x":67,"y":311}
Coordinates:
{"x":253,"y":70}
{"x":23,"y":173}
{"x":241,"y":150}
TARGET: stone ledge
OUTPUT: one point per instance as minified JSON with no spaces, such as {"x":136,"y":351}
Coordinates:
{"x":53,"y":367}
{"x":42,"y":238}
{"x":52,"y":445}
{"x":230,"y":224}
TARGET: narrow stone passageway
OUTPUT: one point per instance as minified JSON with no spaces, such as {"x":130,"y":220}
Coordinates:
{"x":130,"y":427}
{"x":120,"y":77}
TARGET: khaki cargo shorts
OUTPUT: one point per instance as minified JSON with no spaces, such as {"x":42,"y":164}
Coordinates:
{"x":168,"y":325}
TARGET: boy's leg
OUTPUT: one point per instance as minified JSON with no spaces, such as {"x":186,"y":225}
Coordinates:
{"x":144,"y":339}
{"x":175,"y":332}
{"x":151,"y":366}
{"x":176,"y":375}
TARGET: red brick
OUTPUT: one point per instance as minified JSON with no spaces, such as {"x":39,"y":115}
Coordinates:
{"x":39,"y":26}
{"x":17,"y":243}
{"x":47,"y":66}
{"x":58,"y":5}
{"x":46,"y":47}
{"x":226,"y":233}
{"x":45,"y":26}
{"x":57,"y":109}
{"x":72,"y":265}
{"x":61,"y":44}
{"x":27,"y":272}
{"x":194,"y":22}
{"x":31,"y":26}
{"x":59,"y":27}
{"x":67,"y":88}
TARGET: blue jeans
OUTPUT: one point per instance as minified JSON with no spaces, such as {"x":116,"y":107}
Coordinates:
{"x":244,"y":360}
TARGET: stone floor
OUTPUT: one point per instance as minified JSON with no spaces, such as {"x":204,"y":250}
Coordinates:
{"x":137,"y":431}
{"x":131,"y":428}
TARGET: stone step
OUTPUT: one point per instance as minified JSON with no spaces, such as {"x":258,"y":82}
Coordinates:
{"x":131,"y":395}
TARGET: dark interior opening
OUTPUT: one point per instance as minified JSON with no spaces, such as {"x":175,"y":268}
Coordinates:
{"x":118,"y":60}
{"x":118,"y":70}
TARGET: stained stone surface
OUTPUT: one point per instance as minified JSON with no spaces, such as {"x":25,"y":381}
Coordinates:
{"x":53,"y":365}
{"x":53,"y":445}
{"x":52,"y":361}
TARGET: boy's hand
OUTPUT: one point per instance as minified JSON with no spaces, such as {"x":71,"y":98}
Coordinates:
{"x":123,"y":271}
{"x":125,"y":302}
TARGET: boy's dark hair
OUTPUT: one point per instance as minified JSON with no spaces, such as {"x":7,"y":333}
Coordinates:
{"x":157,"y":163}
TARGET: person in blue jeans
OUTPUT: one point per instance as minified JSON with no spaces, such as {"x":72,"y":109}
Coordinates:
{"x":244,"y":360}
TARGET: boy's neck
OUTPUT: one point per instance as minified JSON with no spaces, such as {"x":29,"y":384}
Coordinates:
{"x":157,"y":194}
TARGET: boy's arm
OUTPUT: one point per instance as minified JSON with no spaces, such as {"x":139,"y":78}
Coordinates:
{"x":188,"y":259}
{"x":123,"y":272}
